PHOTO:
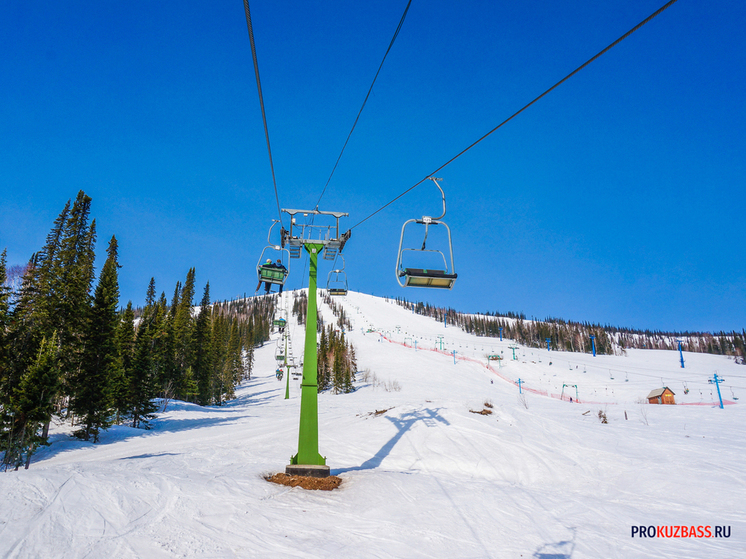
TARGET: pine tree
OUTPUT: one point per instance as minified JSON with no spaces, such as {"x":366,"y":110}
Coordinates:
{"x":70,"y":283}
{"x":323,"y":374}
{"x":141,"y":378}
{"x":32,"y":405}
{"x":222,"y":385}
{"x":203,"y":351}
{"x":338,"y":369}
{"x":32,"y":318}
{"x":93,"y":386}
{"x":235,"y":362}
{"x":351,"y":364}
{"x":150,"y":294}
{"x":183,"y":325}
{"x":126,"y":342}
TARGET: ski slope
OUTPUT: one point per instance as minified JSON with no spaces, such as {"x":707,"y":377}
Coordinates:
{"x":538,"y":478}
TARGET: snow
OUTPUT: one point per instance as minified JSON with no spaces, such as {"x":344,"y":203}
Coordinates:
{"x":426,"y":478}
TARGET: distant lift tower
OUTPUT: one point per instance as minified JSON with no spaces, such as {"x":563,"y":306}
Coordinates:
{"x":681,"y":354}
{"x":325,"y":240}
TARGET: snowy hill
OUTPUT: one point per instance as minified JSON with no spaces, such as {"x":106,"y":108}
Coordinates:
{"x":423,"y":475}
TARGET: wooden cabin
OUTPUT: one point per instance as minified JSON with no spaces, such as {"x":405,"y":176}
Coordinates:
{"x":661,"y":396}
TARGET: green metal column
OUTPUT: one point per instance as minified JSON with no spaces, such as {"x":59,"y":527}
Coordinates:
{"x":308,"y":434}
{"x":287,"y":369}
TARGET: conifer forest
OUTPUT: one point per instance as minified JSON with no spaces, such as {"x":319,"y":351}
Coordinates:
{"x":69,"y":351}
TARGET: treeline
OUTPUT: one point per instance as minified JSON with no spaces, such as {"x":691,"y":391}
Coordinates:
{"x":68,"y":349}
{"x":300,"y":306}
{"x":335,"y":356}
{"x":336,"y":364}
{"x":342,"y":321}
{"x":566,"y":335}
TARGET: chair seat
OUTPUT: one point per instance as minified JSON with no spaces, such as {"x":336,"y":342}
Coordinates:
{"x":420,"y":277}
{"x":272,"y":275}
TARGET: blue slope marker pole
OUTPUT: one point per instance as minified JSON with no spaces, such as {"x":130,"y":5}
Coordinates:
{"x":501,"y":333}
{"x":593,"y":345}
{"x":520,"y":382}
{"x":454,"y":356}
{"x":716,"y":381}
{"x":549,"y":341}
{"x":681,"y":354}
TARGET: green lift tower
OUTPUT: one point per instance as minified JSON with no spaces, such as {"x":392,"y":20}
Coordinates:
{"x":327,"y":241}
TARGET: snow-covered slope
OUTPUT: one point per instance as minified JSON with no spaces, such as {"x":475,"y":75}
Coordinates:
{"x":539,"y":477}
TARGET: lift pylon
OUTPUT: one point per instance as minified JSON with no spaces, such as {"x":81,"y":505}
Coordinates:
{"x":315,"y":240}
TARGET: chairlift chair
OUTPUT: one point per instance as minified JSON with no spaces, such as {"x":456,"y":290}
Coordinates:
{"x":266,"y":269}
{"x":336,"y":281}
{"x":427,"y":277}
{"x":279,"y":374}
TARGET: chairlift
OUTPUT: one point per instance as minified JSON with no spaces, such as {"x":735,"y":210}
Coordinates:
{"x":336,"y":281}
{"x":279,"y":374}
{"x":267,"y":269}
{"x":421,"y":277}
{"x":733,"y":394}
{"x":686,"y":388}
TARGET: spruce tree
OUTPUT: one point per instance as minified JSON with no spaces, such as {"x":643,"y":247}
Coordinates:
{"x":235,"y":362}
{"x":322,"y":361}
{"x":32,"y":405}
{"x":203,"y":351}
{"x":93,"y":386}
{"x":183,"y":325}
{"x":141,"y":385}
{"x":69,"y":285}
{"x":32,"y":316}
{"x":126,"y":341}
{"x":221,"y":383}
{"x":150,"y":295}
{"x":338,"y":369}
{"x":140,"y":377}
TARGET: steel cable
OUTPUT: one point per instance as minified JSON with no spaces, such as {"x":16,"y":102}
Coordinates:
{"x":391,"y":44}
{"x":511,"y":117}
{"x":261,"y":102}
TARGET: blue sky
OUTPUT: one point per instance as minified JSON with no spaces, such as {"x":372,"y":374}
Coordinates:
{"x":618,"y":198}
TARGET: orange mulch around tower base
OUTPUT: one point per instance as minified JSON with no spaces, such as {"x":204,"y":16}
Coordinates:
{"x":324,"y":483}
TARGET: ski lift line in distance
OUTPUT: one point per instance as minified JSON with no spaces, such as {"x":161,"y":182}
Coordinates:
{"x":421,"y":277}
{"x":267,"y":271}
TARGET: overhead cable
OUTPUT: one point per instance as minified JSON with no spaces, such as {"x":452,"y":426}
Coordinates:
{"x":261,"y":102}
{"x":391,"y":44}
{"x":511,"y":117}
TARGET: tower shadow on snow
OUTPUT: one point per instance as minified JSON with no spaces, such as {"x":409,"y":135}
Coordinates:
{"x":403,"y":423}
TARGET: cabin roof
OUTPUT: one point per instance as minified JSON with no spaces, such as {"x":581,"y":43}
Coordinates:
{"x":659,"y":392}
